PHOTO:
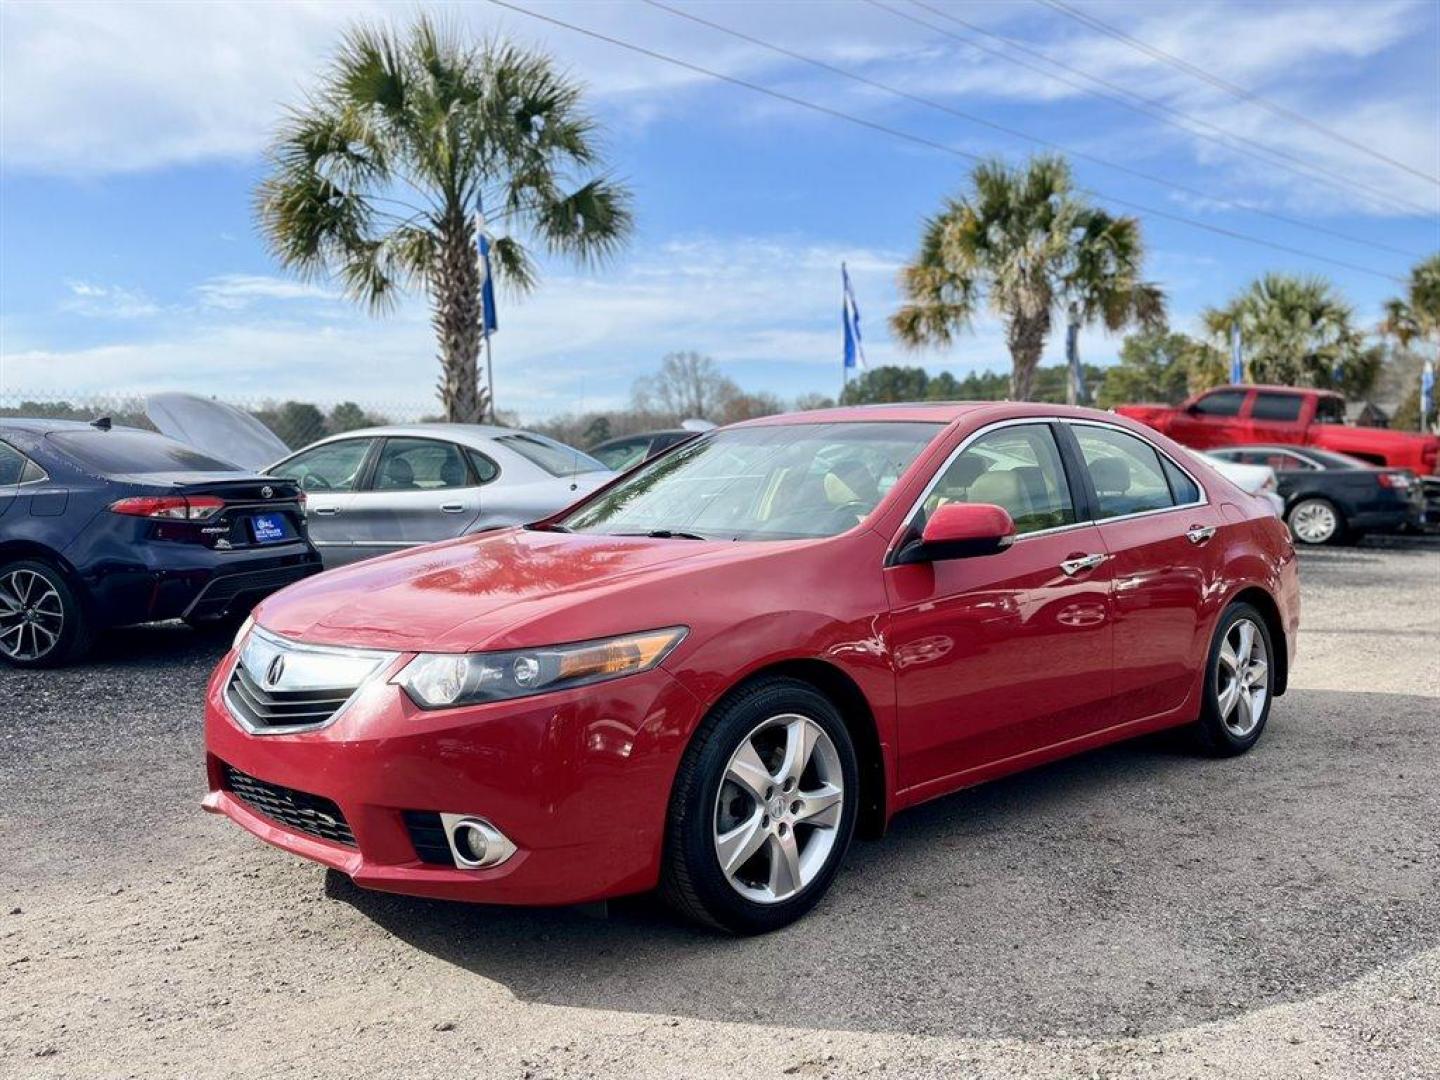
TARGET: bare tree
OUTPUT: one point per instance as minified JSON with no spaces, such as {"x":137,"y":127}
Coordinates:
{"x":687,"y":386}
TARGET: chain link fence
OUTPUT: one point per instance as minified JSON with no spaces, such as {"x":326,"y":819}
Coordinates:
{"x":295,"y":423}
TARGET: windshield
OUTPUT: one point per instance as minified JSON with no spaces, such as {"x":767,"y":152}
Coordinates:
{"x":772,"y":482}
{"x":554,"y":457}
{"x":126,"y":452}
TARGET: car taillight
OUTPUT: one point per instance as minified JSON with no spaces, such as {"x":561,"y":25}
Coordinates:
{"x":170,"y":507}
{"x":1398,"y":480}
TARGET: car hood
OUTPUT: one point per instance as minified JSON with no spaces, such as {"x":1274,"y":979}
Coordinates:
{"x":507,"y":589}
{"x":215,"y":428}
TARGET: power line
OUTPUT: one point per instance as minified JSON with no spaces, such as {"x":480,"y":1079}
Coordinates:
{"x":1153,"y":108}
{"x":931,"y":144}
{"x":1240,"y":92}
{"x":1017,"y":133}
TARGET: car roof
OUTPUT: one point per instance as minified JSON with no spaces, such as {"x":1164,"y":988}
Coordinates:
{"x":472,"y":434}
{"x":42,"y":426}
{"x":935,"y":412}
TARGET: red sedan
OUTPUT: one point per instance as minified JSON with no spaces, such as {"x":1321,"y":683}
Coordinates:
{"x":710,"y":674}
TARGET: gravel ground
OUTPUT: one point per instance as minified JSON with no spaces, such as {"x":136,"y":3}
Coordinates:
{"x":1137,"y":911}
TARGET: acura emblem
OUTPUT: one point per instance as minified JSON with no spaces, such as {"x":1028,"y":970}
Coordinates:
{"x":266,"y":491}
{"x":275,"y":671}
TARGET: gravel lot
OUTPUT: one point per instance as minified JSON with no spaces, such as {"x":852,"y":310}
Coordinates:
{"x":1134,"y":912}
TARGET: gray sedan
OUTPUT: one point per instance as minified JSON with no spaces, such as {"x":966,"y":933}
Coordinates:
{"x":377,"y":490}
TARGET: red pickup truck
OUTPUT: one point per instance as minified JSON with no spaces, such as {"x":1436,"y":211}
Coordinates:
{"x":1242,"y":415}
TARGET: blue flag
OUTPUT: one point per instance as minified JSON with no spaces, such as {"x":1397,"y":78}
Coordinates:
{"x":1237,"y":359}
{"x":487,"y":288}
{"x":1427,"y":393}
{"x":850,"y":321}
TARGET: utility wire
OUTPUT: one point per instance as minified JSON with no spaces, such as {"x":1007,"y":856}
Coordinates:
{"x":1154,"y":108}
{"x":1017,"y":133}
{"x":1240,"y":92}
{"x":931,"y":144}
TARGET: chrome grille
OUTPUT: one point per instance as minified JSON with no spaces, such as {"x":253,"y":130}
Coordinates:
{"x":280,"y":686}
{"x":313,"y":815}
{"x":283,"y":708}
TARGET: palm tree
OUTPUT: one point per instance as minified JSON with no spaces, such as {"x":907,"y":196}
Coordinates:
{"x":1022,"y":241}
{"x":1103,"y":285}
{"x":1416,"y":315}
{"x":1295,"y":330}
{"x":381,"y":178}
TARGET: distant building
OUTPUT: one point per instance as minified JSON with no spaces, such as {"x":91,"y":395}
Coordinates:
{"x":1366,"y":414}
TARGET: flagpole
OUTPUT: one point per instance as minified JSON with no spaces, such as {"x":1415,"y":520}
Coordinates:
{"x":490,"y":375}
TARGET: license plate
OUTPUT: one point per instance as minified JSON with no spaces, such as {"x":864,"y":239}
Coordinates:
{"x":269,"y":528}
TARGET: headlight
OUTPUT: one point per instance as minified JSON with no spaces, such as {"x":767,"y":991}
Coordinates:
{"x":442,"y":680}
{"x":244,"y":629}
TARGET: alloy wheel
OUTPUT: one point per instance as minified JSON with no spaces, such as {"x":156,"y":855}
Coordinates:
{"x":1314,"y":521}
{"x":32,"y":615}
{"x":1242,"y":678}
{"x":779,"y":808}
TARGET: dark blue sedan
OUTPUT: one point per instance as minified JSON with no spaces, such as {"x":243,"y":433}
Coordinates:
{"x":103,"y":527}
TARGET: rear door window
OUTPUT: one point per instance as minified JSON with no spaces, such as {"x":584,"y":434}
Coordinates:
{"x":419,"y":465}
{"x":1276,"y":407}
{"x":1220,"y":403}
{"x":1125,"y":471}
{"x":332,"y":467}
{"x":117,"y":452}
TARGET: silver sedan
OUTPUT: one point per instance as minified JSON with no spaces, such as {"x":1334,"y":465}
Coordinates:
{"x":376,"y":490}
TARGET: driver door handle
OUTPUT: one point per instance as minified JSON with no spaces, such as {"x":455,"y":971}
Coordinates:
{"x":452,"y":508}
{"x":1082,"y":562}
{"x":325,"y":511}
{"x":1198,"y":534}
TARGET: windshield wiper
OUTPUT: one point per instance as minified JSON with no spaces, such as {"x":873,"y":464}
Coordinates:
{"x":665,"y":534}
{"x":553,"y":526}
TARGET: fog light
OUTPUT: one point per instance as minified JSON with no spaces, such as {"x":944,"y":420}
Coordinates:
{"x":475,"y":844}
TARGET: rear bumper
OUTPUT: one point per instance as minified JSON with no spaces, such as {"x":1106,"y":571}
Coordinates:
{"x":183,"y":581}
{"x":579,"y":781}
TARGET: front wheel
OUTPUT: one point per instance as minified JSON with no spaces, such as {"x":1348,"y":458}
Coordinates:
{"x":1239,"y":683}
{"x":763,"y":810}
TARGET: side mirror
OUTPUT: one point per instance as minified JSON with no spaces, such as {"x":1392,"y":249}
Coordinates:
{"x":959,"y":531}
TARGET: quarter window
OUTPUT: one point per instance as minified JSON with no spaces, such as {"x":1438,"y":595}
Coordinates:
{"x":485,"y":469}
{"x":420,"y":465}
{"x":1220,"y":403}
{"x":332,"y":467}
{"x":1014,"y":467}
{"x":1126,"y":472}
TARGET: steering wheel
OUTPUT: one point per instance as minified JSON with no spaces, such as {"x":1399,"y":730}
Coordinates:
{"x":315,"y":482}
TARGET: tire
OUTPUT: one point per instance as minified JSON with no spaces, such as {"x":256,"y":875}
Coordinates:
{"x":1314,"y":521}
{"x":1236,"y":703}
{"x":42,"y":622}
{"x":795,"y":838}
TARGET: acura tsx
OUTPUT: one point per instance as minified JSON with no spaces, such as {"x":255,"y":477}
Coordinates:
{"x":709,"y":675}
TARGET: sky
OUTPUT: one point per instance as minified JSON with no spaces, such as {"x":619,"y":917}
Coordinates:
{"x":132,"y":138}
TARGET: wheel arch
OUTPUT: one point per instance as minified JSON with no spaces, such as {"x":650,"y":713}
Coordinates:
{"x":859,"y":718}
{"x":11,"y":550}
{"x":1261,"y":600}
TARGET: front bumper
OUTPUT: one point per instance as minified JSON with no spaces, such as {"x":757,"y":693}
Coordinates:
{"x":579,"y":781}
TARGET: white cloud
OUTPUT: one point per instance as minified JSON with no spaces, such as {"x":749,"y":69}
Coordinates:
{"x":108,"y":301}
{"x":235,"y":291}
{"x":85,"y":91}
